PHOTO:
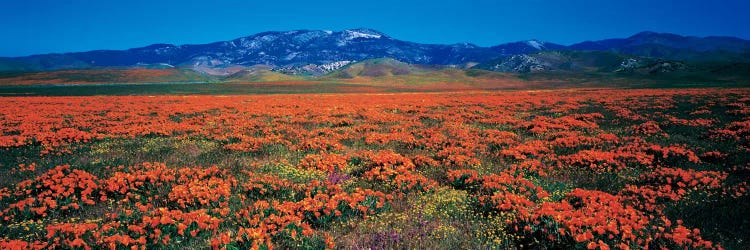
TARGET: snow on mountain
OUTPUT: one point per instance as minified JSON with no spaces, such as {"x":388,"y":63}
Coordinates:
{"x":352,"y":34}
{"x":536,"y":44}
{"x":348,"y":36}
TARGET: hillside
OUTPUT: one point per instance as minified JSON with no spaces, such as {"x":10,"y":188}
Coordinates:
{"x":318,"y":52}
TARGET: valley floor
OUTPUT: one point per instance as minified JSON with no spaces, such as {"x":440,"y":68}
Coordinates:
{"x":469,"y":169}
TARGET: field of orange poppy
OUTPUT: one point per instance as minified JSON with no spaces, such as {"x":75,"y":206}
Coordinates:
{"x":565,"y":168}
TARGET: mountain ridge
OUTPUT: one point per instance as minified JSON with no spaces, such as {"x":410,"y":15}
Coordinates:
{"x":321,"y":51}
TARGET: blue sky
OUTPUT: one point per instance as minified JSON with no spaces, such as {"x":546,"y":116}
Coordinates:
{"x":44,"y":26}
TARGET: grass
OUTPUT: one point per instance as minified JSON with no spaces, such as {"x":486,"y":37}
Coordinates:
{"x":378,"y":75}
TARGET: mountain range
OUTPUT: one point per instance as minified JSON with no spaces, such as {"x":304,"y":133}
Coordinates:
{"x":320,"y":52}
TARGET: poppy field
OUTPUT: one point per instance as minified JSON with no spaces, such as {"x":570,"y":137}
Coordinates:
{"x":559,"y":169}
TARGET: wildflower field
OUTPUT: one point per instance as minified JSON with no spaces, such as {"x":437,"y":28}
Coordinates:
{"x":570,"y":169}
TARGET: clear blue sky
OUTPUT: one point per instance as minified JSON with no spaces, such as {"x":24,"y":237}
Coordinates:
{"x":44,"y":26}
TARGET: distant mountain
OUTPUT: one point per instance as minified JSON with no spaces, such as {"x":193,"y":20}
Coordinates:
{"x":276,"y":49}
{"x":568,"y":63}
{"x":289,"y":50}
{"x":642,"y":53}
{"x":671,"y":46}
{"x":320,"y":52}
{"x":525,"y":47}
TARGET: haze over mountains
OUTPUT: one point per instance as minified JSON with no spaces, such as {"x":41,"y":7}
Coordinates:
{"x":320,"y":52}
